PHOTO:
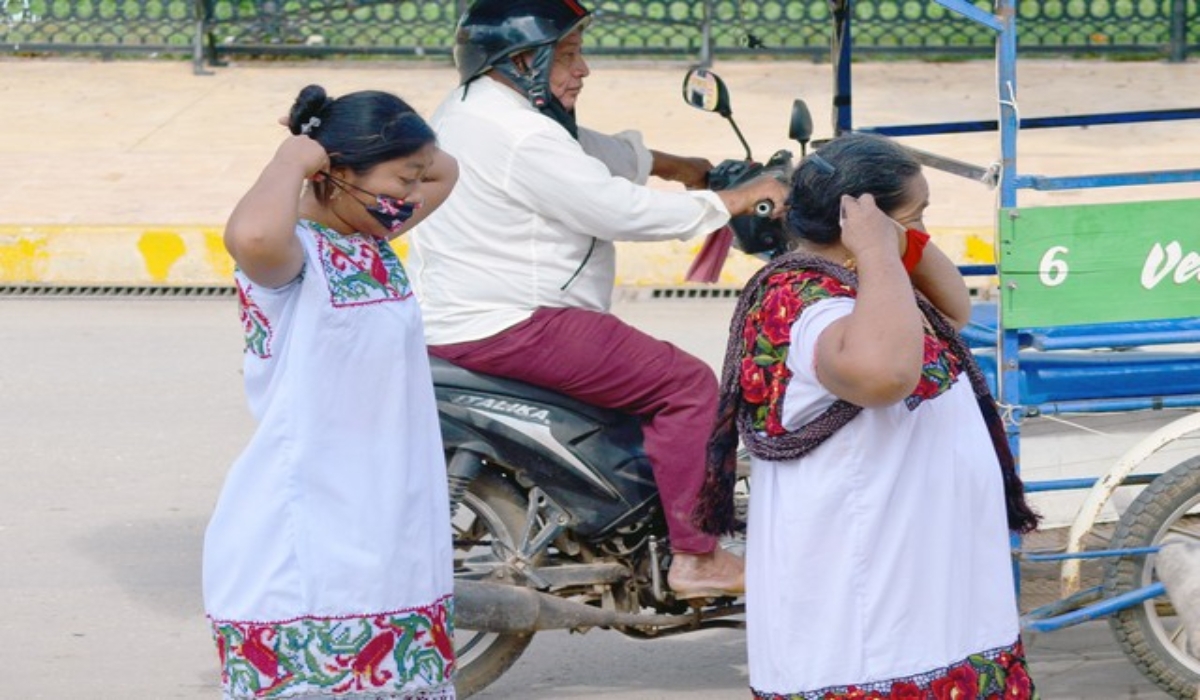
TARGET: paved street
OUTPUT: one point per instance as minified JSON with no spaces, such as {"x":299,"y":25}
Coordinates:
{"x":118,"y":419}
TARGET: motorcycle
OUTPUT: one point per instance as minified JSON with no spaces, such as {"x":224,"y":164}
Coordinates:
{"x":556,"y":518}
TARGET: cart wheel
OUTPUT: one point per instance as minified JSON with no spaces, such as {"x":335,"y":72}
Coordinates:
{"x":1150,"y":634}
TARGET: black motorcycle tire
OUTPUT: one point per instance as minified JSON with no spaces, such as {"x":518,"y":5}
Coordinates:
{"x":483,"y":657}
{"x":1147,"y":632}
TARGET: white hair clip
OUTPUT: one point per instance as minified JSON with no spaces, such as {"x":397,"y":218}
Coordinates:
{"x":308,"y":126}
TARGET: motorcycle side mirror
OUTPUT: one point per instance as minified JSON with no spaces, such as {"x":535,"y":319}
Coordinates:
{"x":801,"y":127}
{"x":705,"y":90}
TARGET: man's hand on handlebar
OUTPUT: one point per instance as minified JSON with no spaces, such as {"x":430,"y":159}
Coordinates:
{"x":764,"y":195}
{"x":692,"y":172}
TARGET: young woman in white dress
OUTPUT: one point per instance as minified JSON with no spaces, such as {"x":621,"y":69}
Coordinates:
{"x":328,"y":560}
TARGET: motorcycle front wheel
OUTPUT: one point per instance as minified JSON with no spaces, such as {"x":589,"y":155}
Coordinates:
{"x":486,"y":526}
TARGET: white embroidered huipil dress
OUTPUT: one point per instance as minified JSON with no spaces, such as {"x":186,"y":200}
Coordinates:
{"x":328,"y":560}
{"x":878,"y":565}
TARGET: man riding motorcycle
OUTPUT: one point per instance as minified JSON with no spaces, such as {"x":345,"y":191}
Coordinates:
{"x":515,"y":271}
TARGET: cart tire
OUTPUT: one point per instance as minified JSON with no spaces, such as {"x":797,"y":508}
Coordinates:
{"x":1145,"y":632}
{"x":496,"y":510}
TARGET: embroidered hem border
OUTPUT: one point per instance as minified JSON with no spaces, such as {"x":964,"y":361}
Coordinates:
{"x":990,"y":675}
{"x":400,"y":655}
{"x":446,"y":693}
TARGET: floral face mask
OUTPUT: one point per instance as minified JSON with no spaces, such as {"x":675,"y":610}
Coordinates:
{"x":390,"y":212}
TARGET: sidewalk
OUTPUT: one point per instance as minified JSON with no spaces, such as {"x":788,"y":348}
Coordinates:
{"x":124,"y":172}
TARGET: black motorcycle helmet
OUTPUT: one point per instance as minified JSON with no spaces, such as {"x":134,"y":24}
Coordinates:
{"x":492,"y":31}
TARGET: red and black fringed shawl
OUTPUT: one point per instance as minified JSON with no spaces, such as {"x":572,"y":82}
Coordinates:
{"x":755,"y":420}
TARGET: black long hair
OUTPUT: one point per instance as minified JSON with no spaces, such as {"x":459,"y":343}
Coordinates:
{"x":358,"y":130}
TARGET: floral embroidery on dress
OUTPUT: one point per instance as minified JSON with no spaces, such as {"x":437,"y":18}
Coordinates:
{"x":998,"y":674}
{"x":396,"y":655}
{"x":766,"y":338}
{"x":941,"y":369}
{"x":360,"y":270}
{"x":256,"y":327}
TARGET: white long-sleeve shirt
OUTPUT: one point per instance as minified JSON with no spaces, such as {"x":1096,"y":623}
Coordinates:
{"x":534,"y":215}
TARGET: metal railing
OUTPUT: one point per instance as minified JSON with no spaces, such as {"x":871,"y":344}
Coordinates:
{"x":210,"y":30}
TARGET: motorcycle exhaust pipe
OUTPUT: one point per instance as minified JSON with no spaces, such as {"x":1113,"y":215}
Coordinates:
{"x":504,"y":609}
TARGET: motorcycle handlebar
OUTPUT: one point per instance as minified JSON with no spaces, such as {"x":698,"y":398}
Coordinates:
{"x":756,"y":233}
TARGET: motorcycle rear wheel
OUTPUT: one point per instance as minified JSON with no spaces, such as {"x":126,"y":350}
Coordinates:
{"x":486,"y":527}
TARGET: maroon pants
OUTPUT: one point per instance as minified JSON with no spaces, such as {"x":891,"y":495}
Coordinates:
{"x":598,"y":359}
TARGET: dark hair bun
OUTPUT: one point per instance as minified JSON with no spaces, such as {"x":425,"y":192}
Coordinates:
{"x":311,"y":101}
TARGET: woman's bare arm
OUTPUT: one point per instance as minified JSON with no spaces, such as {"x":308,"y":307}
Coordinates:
{"x":261,"y":231}
{"x":938,"y":278}
{"x":436,"y":186}
{"x":873,"y":356}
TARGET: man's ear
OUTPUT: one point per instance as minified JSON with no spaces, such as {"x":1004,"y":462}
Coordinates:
{"x":521,"y":61}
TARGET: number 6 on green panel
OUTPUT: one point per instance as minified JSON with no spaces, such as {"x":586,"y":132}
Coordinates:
{"x":1098,"y":263}
{"x":1053,"y":269}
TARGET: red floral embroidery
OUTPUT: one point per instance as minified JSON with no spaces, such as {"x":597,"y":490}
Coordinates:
{"x":366,"y":670}
{"x":767,"y":336}
{"x":780,"y":306}
{"x":256,"y":327}
{"x":1018,"y":686}
{"x":853,"y":693}
{"x":359,"y":271}
{"x":749,"y":332}
{"x":961,"y":683}
{"x":754,"y":381}
{"x":995,"y":674}
{"x":903,"y":690}
{"x":392,"y":653}
{"x":939,"y":371}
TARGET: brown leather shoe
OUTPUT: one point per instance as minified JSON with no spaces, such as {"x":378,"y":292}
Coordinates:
{"x":717,"y":574}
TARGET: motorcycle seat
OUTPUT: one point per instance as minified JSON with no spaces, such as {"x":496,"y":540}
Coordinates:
{"x":448,"y":374}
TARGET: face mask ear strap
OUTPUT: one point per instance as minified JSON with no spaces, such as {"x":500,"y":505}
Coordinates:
{"x":339,"y":181}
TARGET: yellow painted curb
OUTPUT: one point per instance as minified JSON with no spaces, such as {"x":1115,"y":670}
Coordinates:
{"x":183,"y":254}
{"x":169,"y":254}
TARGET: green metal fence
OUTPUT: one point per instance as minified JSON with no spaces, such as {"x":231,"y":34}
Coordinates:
{"x":126,"y":26}
{"x":209,"y":30}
